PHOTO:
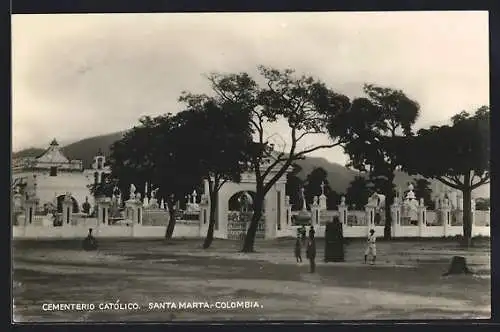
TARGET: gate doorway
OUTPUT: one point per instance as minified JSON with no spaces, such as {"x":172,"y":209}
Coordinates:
{"x":240,"y":214}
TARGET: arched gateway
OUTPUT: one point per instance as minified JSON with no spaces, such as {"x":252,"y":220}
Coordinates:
{"x":274,"y":216}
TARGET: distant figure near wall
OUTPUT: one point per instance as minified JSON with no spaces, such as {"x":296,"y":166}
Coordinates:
{"x":90,"y":243}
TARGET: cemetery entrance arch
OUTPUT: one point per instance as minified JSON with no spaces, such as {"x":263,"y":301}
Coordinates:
{"x":60,"y":200}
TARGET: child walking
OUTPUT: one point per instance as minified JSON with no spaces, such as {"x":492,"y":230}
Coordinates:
{"x":371,"y":248}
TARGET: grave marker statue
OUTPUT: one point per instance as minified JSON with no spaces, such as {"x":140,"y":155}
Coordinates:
{"x":86,"y":206}
{"x":303,"y":217}
{"x":132,"y":191}
{"x":153,"y":203}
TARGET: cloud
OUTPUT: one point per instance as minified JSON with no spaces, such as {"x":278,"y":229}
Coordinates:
{"x":80,"y":75}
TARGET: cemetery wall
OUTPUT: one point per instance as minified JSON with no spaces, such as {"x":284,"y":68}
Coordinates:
{"x":356,"y":227}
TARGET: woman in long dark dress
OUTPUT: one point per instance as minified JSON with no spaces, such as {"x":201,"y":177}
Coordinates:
{"x":311,"y":251}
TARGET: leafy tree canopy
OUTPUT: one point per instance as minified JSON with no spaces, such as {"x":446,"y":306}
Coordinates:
{"x":374,"y":128}
{"x":304,"y":103}
{"x":458,"y":155}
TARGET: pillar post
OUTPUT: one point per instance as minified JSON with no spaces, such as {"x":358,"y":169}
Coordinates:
{"x":396,"y":218}
{"x":422,"y":218}
{"x":315,"y":212}
{"x":204,"y":214}
{"x":342,"y":207}
{"x":288,"y":212}
{"x":472,"y":215}
{"x":29,"y":209}
{"x":134,"y":211}
{"x":322,"y":202}
{"x":103,"y":206}
{"x":446,"y":215}
{"x":370,"y":217}
{"x":67,"y":210}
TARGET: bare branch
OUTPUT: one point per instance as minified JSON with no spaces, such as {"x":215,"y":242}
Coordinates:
{"x":456,"y":179}
{"x":314,"y":132}
{"x":326,"y":146}
{"x":484,"y":180}
{"x":221,"y":184}
{"x":278,"y":175}
{"x":273,"y":164}
{"x":447,"y":182}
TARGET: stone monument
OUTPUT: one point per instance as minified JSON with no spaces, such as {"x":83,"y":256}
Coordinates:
{"x":303,"y":217}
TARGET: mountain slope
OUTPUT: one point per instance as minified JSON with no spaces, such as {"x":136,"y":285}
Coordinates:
{"x":27,"y":153}
{"x":339,"y":176}
{"x":84,"y":150}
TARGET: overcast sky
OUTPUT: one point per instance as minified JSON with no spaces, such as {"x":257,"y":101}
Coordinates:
{"x":76,"y":76}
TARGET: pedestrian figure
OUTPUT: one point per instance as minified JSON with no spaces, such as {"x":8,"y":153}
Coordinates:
{"x":311,"y":252}
{"x":302,"y":231}
{"x":371,"y":248}
{"x":312,"y":232}
{"x":298,"y":249}
{"x":89,"y":243}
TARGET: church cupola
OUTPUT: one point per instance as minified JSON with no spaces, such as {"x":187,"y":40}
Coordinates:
{"x":99,"y":161}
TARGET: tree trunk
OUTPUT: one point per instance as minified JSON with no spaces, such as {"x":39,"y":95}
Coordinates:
{"x":388,"y":219}
{"x":389,"y":199}
{"x":211,"y":224}
{"x":171,"y":221}
{"x":252,"y":230}
{"x":467,"y":217}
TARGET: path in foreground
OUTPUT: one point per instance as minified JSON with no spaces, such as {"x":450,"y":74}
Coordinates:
{"x":406,"y":283}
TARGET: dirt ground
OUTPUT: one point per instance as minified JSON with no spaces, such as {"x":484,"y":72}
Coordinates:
{"x":405,"y":283}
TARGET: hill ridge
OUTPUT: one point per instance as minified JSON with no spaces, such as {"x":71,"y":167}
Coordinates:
{"x":339,"y":176}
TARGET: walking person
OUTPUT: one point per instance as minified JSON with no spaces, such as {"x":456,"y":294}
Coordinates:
{"x":89,"y":243}
{"x":302,"y":231}
{"x":298,"y":249}
{"x":311,"y":251}
{"x":371,"y":248}
{"x":312,"y":232}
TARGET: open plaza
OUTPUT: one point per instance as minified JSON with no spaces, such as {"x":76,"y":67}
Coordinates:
{"x":155,"y":280}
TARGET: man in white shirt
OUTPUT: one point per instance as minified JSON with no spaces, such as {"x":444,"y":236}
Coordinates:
{"x":371,"y":248}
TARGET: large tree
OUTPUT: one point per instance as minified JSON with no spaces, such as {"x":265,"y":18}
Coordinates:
{"x":302,"y":104}
{"x":377,"y":124}
{"x":175,"y":152}
{"x":146,"y":154}
{"x":213,"y":144}
{"x":457,"y":155}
